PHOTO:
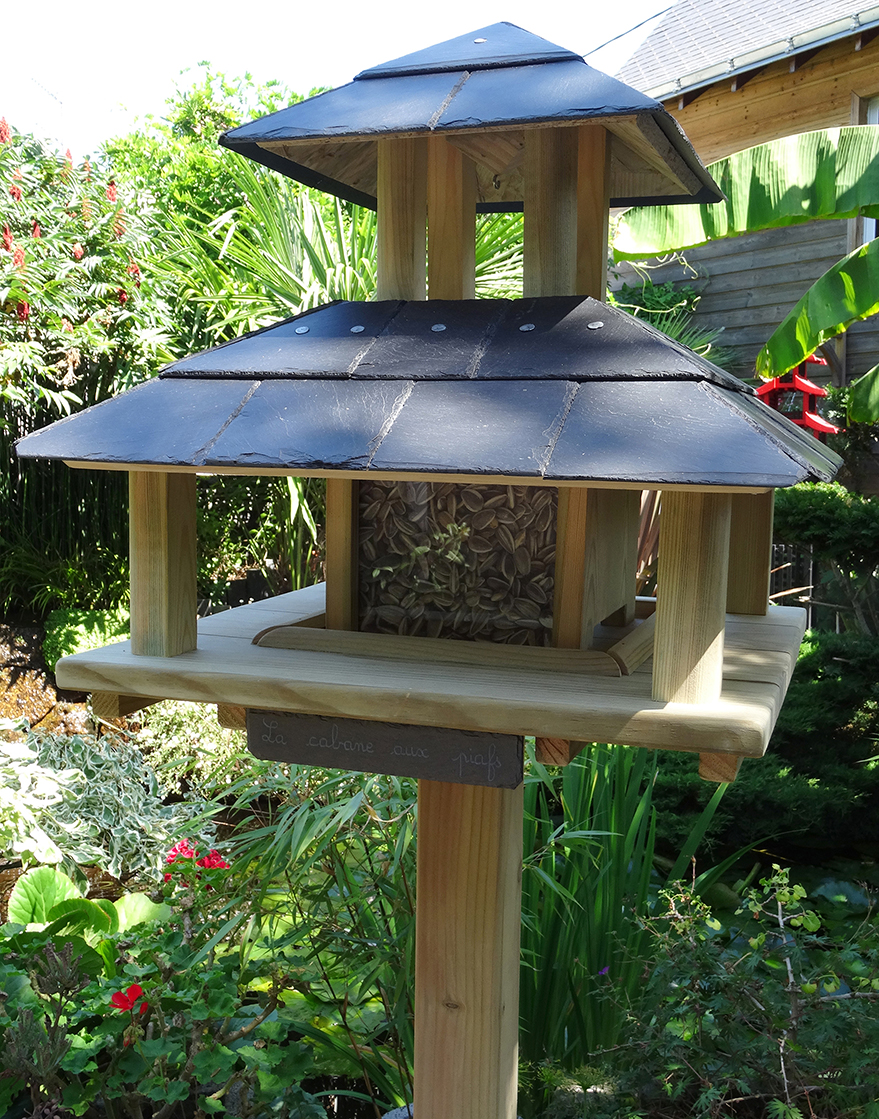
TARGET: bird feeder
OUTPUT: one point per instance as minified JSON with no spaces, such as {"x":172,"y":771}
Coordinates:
{"x":796,"y":397}
{"x":484,"y":463}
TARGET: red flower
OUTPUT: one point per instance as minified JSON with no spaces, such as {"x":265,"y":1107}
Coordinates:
{"x":18,"y":257}
{"x":128,"y":999}
{"x":5,"y":131}
{"x":78,"y":251}
{"x":7,"y":238}
{"x":24,"y":311}
{"x":35,"y":232}
{"x":123,"y":296}
{"x":111,"y":191}
{"x":213,"y":861}
{"x":15,"y":193}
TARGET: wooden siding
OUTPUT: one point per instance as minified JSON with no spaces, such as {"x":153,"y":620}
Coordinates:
{"x":750,"y":283}
{"x":778,"y":103}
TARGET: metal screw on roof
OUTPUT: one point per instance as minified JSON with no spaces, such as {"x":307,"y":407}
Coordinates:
{"x":301,"y":329}
{"x":357,"y":329}
{"x":594,"y":325}
{"x":527,"y":326}
{"x":437,"y":327}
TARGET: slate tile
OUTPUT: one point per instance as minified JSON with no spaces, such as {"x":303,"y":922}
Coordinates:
{"x":160,"y":422}
{"x":498,"y":427}
{"x":316,"y":424}
{"x":665,"y":432}
{"x":439,"y":339}
{"x":319,"y":342}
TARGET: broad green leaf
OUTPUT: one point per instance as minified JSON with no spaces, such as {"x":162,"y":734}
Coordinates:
{"x":863,"y":401}
{"x":78,"y":915}
{"x":847,"y":292}
{"x":137,"y":909}
{"x":831,"y":173}
{"x":34,"y":894}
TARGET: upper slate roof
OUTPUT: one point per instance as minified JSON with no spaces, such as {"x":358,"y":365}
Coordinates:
{"x":699,"y":42}
{"x":555,"y":388}
{"x":482,"y":90}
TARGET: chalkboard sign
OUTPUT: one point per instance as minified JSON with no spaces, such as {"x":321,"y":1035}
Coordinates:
{"x":459,"y":756}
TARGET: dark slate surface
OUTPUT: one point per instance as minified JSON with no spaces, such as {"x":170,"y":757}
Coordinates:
{"x":503,"y":44}
{"x":483,"y":338}
{"x":333,"y":424}
{"x":514,"y":78}
{"x":500,"y":427}
{"x":560,"y":401}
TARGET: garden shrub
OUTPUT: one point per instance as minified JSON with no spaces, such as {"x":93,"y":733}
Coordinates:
{"x":819,"y":781}
{"x":72,"y":631}
{"x":97,"y":802}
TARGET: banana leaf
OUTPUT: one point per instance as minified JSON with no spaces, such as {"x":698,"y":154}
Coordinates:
{"x":847,"y":292}
{"x":831,"y":173}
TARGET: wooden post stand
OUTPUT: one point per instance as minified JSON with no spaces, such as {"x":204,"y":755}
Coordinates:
{"x":469,"y":839}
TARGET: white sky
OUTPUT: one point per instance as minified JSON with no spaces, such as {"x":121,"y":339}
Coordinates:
{"x":81,"y":71}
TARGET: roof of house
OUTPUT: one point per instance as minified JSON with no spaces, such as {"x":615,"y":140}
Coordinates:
{"x":699,"y":42}
{"x":482,"y":90}
{"x":546,"y":389}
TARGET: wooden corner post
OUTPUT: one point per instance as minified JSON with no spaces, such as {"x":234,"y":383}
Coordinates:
{"x":469,"y":838}
{"x":162,"y":556}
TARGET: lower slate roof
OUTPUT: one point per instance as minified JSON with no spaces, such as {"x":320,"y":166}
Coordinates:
{"x":553,"y":389}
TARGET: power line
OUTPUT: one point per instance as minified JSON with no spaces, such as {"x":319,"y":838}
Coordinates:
{"x":623,"y":34}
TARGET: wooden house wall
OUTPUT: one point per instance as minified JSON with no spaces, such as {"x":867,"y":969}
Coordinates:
{"x":751,"y":282}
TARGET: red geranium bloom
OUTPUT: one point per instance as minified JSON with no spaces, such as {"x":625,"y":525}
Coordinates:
{"x":5,"y":131}
{"x":7,"y":238}
{"x":213,"y":861}
{"x":127,"y":1000}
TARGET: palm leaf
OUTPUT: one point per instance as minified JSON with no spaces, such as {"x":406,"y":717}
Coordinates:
{"x":831,"y":173}
{"x":847,"y":292}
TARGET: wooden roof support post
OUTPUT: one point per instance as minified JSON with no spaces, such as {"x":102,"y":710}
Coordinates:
{"x":691,"y":607}
{"x":451,"y":225}
{"x":566,"y":217}
{"x":469,"y":838}
{"x":691,"y":597}
{"x":162,"y":547}
{"x":750,"y":553}
{"x":401,"y":254}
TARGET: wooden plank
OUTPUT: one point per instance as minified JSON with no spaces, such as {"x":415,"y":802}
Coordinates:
{"x":721,"y":768}
{"x":431,"y":753}
{"x":549,"y":703}
{"x":654,"y":149}
{"x":413,"y":476}
{"x":110,"y":705}
{"x":691,"y":597}
{"x":401,"y":218}
{"x":611,"y":558}
{"x":341,"y":554}
{"x":451,"y":221}
{"x":231,"y":717}
{"x":750,"y":553}
{"x":467,"y":951}
{"x":593,"y":208}
{"x":550,"y":234}
{"x":570,"y":567}
{"x":416,"y":650}
{"x":303,"y":607}
{"x":162,"y":545}
{"x":635,"y":648}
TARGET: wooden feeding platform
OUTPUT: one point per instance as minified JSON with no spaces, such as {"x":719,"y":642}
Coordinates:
{"x":485,"y":461}
{"x":269,"y":655}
